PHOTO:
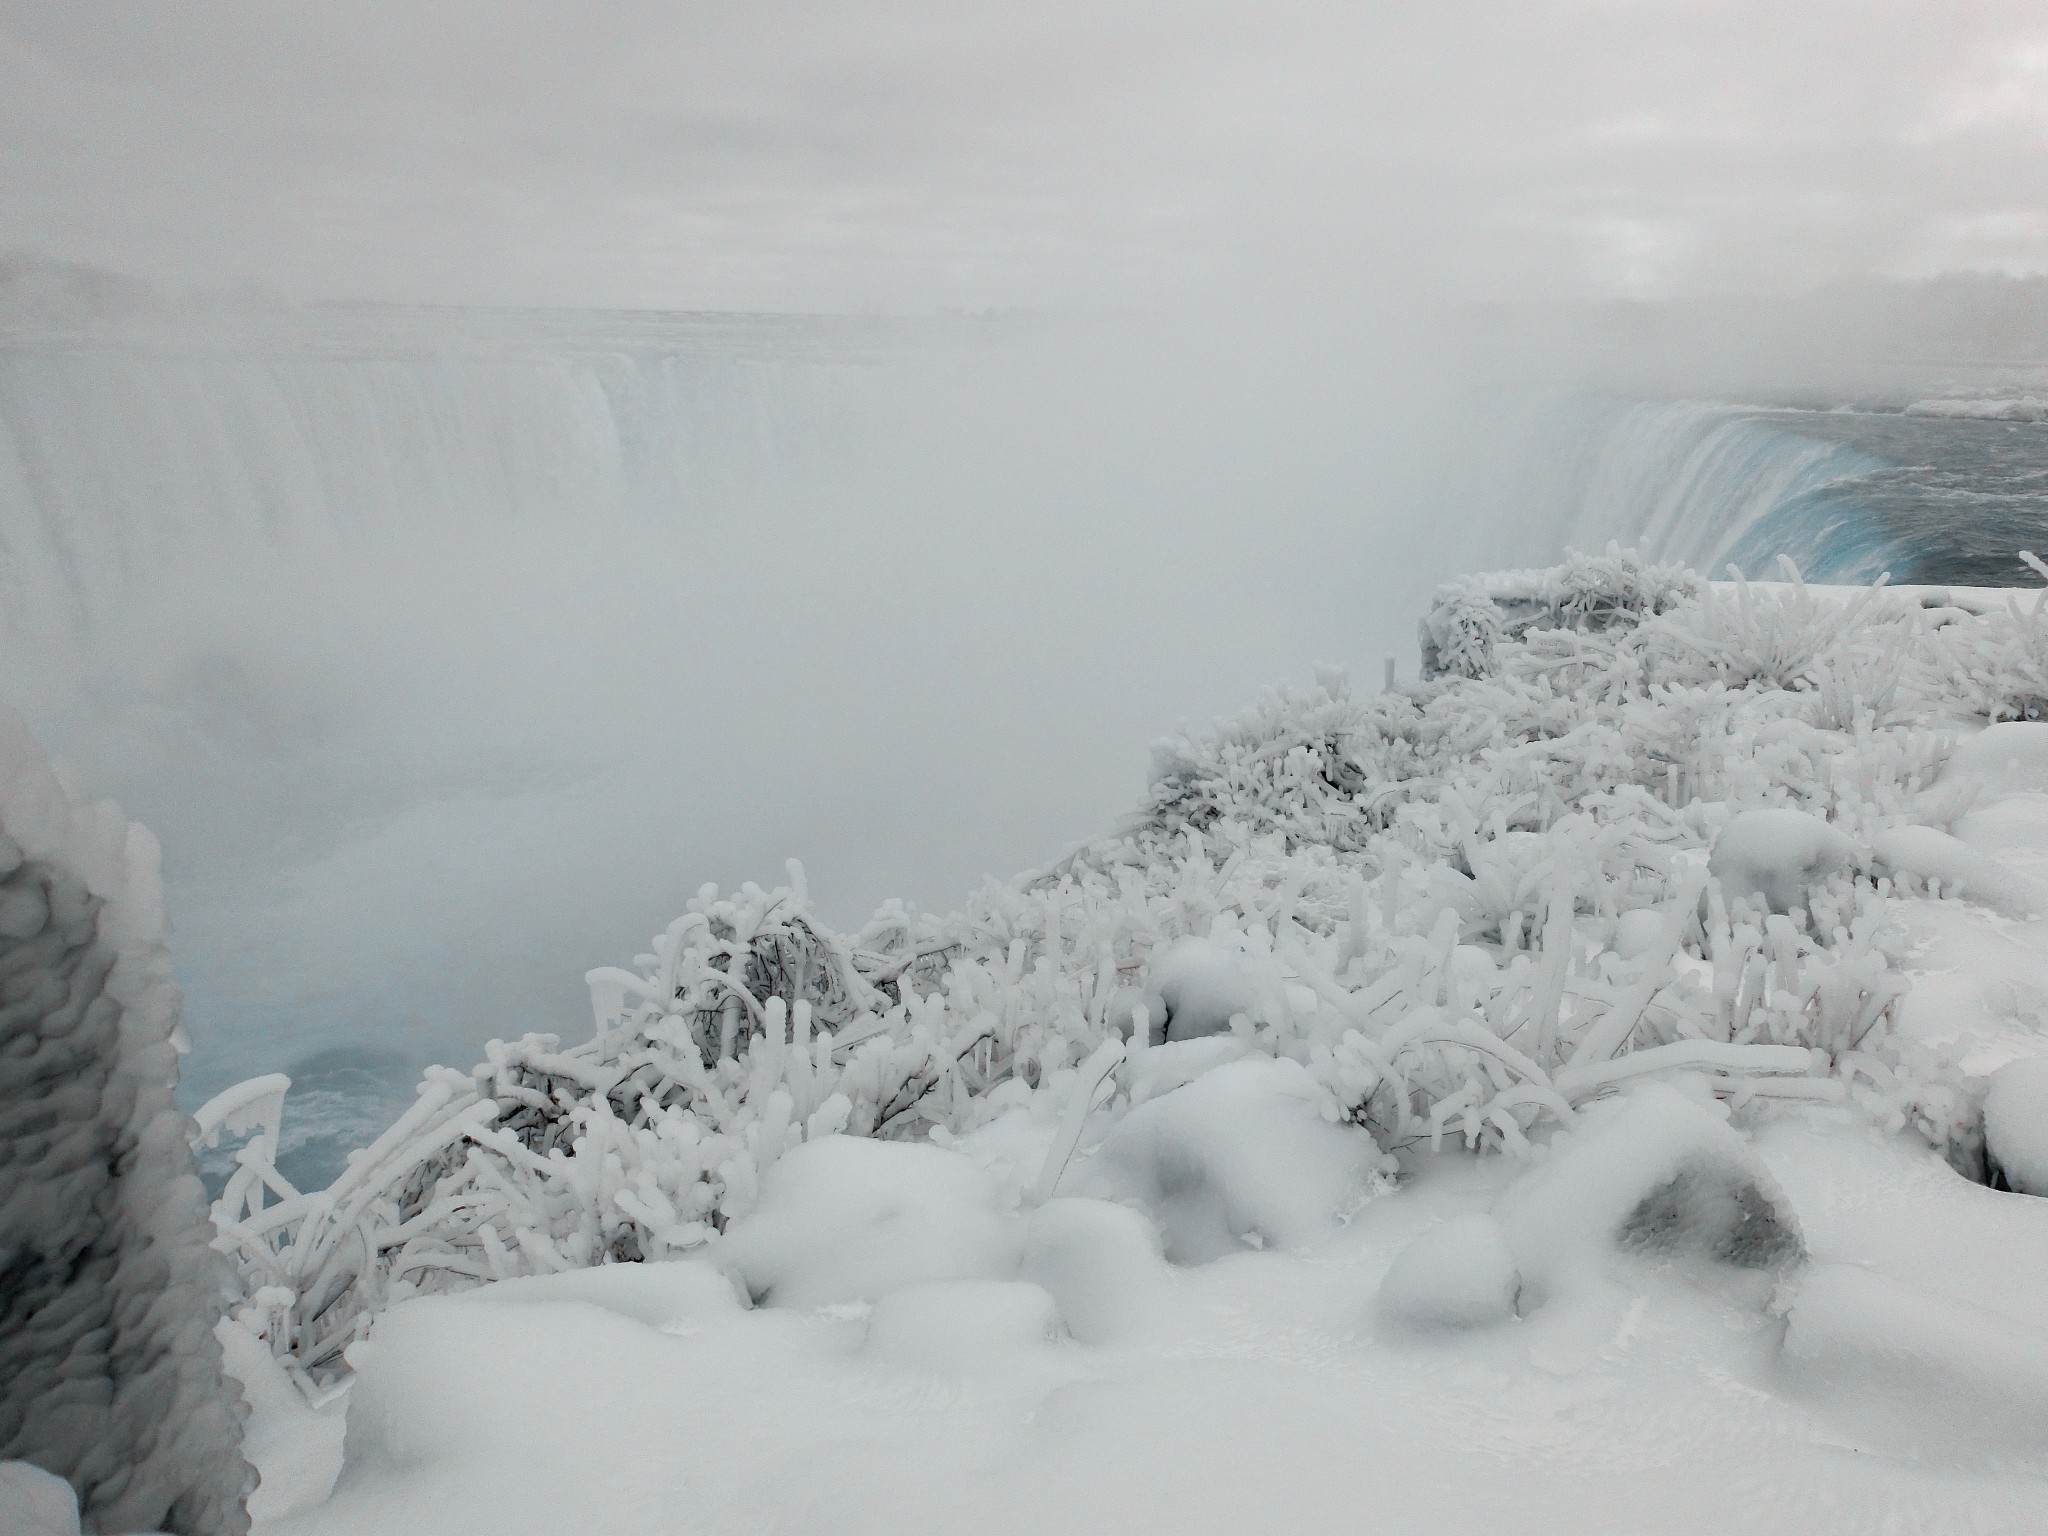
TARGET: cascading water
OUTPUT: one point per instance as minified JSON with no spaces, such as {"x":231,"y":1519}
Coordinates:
{"x":449,"y":653}
{"x":1703,"y":483}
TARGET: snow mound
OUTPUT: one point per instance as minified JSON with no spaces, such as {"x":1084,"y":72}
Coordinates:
{"x":1899,"y":1361}
{"x":1460,"y":1274}
{"x":963,"y":1326}
{"x":846,"y":1218}
{"x":1241,"y":1155}
{"x":1659,"y":1174}
{"x":1101,"y":1264}
{"x":1778,"y":858}
{"x":35,"y":1503}
{"x":2016,"y":1125}
{"x":111,"y":1370}
{"x":2010,"y":757}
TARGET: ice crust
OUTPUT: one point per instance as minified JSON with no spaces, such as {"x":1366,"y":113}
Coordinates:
{"x":110,"y":1373}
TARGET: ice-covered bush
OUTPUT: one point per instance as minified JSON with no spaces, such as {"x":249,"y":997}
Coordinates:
{"x":110,"y":1375}
{"x":1461,"y":911}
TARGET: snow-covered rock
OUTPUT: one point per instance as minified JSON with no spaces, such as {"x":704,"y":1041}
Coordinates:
{"x":1102,"y":1265}
{"x":1460,"y":1274}
{"x":846,"y":1218}
{"x":1778,"y":857}
{"x":962,"y":1326}
{"x":2016,"y":1125}
{"x":1241,"y":1155}
{"x":1659,"y":1174}
{"x":110,"y":1374}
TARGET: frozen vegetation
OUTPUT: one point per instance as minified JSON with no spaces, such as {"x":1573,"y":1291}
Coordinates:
{"x":1594,"y":1087}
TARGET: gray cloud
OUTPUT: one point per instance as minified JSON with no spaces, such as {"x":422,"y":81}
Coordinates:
{"x":906,"y":153}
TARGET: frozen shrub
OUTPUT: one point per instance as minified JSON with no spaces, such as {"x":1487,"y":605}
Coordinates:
{"x":1460,"y":634}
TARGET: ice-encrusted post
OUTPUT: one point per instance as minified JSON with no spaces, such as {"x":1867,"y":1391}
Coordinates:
{"x":110,"y":1374}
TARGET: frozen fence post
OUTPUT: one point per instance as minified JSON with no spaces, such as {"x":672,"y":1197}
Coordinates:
{"x":110,"y":1375}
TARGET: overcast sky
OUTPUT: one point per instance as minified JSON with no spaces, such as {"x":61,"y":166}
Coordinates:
{"x":908,"y":154}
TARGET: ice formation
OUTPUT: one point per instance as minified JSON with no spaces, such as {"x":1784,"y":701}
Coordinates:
{"x":110,"y":1374}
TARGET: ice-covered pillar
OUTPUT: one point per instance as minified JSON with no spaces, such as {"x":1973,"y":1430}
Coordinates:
{"x":110,"y":1375}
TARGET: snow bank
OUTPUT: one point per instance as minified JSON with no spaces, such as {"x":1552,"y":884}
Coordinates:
{"x":1929,"y":1370}
{"x":847,"y":1219}
{"x":110,"y":1374}
{"x":1243,"y":1154}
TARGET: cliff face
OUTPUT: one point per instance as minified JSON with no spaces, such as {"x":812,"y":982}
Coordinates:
{"x":110,"y":1375}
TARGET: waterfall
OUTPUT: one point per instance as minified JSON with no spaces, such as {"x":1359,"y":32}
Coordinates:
{"x":448,"y":653}
{"x":1703,"y":483}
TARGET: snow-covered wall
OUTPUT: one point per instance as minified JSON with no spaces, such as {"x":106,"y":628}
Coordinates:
{"x":110,"y":1375}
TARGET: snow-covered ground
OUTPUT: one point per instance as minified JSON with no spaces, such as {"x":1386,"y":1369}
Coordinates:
{"x":1257,"y":1392}
{"x":1553,"y":1100}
